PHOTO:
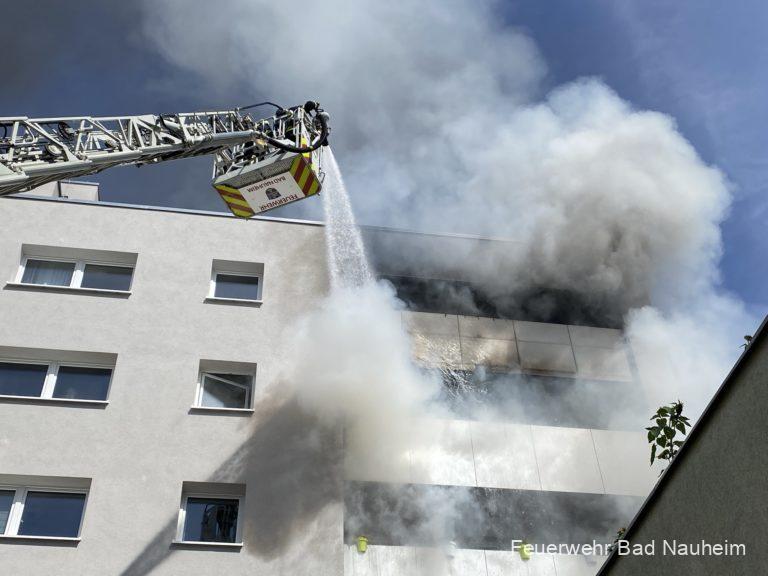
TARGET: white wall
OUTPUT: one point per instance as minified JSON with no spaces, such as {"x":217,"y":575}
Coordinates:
{"x":141,"y":447}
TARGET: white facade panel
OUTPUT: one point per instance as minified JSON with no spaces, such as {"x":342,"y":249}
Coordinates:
{"x":505,"y":456}
{"x":498,"y":355}
{"x":478,"y":327}
{"x":544,"y":357}
{"x":418,"y":561}
{"x":542,"y":332}
{"x":567,"y":460}
{"x":625,"y":462}
{"x":430,"y":323}
{"x":598,"y":337}
{"x":602,"y":363}
{"x":441,"y":453}
{"x":577,"y":565}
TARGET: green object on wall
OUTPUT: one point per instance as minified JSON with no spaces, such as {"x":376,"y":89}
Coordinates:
{"x":525,"y":554}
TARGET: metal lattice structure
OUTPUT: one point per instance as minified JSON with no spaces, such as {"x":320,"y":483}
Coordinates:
{"x":41,"y":150}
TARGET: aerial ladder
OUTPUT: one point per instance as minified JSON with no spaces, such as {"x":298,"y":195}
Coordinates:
{"x":259,"y":164}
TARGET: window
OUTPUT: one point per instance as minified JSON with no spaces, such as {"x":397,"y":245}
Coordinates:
{"x":6,"y":503}
{"x":107,"y":277}
{"x":54,"y":380}
{"x":210,"y":513}
{"x":48,"y":273}
{"x":76,"y":274}
{"x":236,"y":281}
{"x":22,"y":379}
{"x":211,"y":519}
{"x":236,"y":286}
{"x":46,"y":512}
{"x":82,"y":383}
{"x":218,"y":390}
{"x":76,"y":268}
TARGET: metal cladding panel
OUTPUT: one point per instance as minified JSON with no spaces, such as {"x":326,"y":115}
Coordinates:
{"x":252,"y":192}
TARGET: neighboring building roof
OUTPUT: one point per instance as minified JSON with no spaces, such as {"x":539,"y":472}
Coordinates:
{"x":715,"y":488}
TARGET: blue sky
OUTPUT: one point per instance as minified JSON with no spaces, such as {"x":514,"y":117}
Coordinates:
{"x":704,"y":63}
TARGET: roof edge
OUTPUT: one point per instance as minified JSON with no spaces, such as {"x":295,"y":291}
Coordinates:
{"x":150,"y":208}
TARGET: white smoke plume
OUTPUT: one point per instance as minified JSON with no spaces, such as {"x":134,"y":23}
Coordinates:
{"x":442,"y":124}
{"x":352,"y":362}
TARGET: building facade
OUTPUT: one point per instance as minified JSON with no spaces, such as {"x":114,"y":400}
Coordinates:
{"x":707,"y":514}
{"x":145,"y":429}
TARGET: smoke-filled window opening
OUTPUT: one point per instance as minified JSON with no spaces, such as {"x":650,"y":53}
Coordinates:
{"x":441,"y":296}
{"x":479,"y":518}
{"x":446,"y":296}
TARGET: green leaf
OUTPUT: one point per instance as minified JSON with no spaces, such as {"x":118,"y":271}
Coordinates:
{"x":669,"y":432}
{"x":661,"y":441}
{"x":678,"y":443}
{"x":661,"y":422}
{"x":653,"y":452}
{"x":664,"y":455}
{"x":650,"y":435}
{"x":663,"y":411}
{"x":680,"y":427}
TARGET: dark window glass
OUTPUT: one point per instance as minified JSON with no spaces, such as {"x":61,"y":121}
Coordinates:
{"x":6,"y":501}
{"x":107,"y":277}
{"x":226,"y":391}
{"x":82,"y":383}
{"x":210,"y":520}
{"x":240,"y":287}
{"x":48,"y":273}
{"x":22,"y":379}
{"x":52,"y":514}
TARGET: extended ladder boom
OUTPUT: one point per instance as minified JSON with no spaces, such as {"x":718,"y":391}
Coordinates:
{"x":37,"y":151}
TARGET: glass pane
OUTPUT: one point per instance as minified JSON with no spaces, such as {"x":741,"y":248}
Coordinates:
{"x":22,"y":379}
{"x":107,"y":277}
{"x":82,"y":383}
{"x":52,"y":514}
{"x":48,"y":273}
{"x":231,"y":394}
{"x":210,"y":520}
{"x":240,"y":287}
{"x":6,"y":501}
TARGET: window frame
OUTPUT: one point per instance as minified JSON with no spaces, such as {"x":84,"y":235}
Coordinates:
{"x":180,"y":524}
{"x":17,"y":510}
{"x":77,"y":275}
{"x":51,"y":376}
{"x":198,"y":405}
{"x":212,"y":289}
